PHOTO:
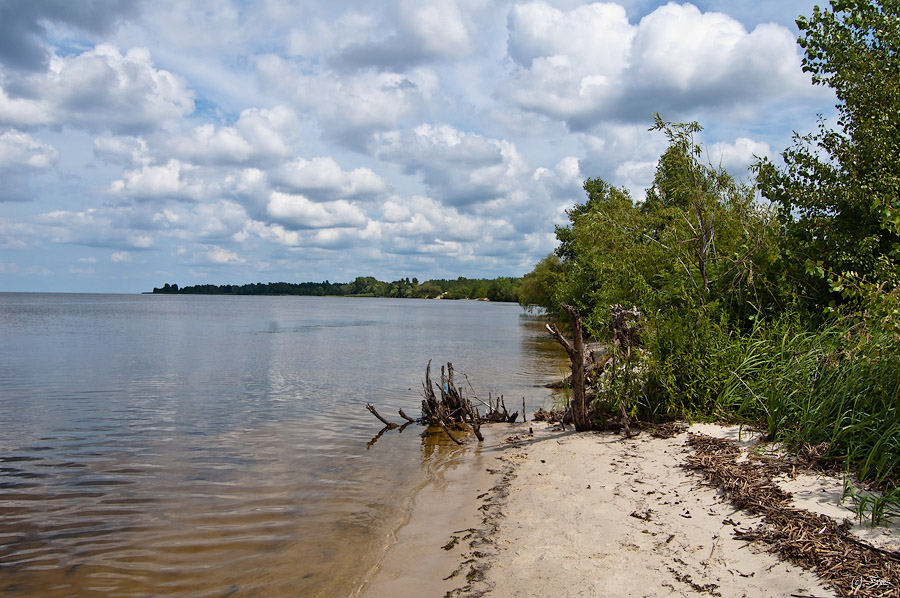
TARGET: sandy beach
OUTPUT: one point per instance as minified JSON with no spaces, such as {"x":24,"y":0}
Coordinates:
{"x":538,"y":511}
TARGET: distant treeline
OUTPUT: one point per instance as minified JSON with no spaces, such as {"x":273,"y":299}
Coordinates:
{"x":497,"y":289}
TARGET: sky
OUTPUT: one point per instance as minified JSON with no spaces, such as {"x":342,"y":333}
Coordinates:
{"x":237,"y":141}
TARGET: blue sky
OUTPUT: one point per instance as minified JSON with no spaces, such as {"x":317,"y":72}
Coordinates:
{"x":282,"y":140}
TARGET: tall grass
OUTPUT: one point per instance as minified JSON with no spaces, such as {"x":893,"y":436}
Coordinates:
{"x":837,"y":388}
{"x":840,"y":386}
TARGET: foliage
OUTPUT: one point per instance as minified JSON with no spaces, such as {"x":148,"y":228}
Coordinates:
{"x":839,"y":190}
{"x":736,"y":291}
{"x":838,"y":386}
{"x":498,"y":289}
{"x":603,"y":259}
{"x":698,"y":241}
{"x":535,"y":292}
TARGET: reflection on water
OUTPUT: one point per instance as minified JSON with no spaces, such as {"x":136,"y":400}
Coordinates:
{"x":212,"y":446}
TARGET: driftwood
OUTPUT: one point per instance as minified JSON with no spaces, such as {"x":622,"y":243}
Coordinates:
{"x":389,"y":425}
{"x":453,"y":410}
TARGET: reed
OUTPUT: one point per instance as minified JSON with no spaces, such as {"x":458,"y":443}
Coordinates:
{"x":837,"y":388}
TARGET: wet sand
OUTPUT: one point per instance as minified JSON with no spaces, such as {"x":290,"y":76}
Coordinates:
{"x":558,"y":513}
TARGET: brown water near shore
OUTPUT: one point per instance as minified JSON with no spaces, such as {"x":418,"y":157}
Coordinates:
{"x":219,"y":446}
{"x":232,"y":535}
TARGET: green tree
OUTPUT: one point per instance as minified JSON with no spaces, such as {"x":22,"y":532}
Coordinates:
{"x":717,"y":239}
{"x":839,"y":189}
{"x":536,"y":289}
{"x":602,"y":255}
{"x":698,"y":240}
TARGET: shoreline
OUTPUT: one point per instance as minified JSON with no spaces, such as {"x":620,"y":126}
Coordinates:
{"x":568,"y":514}
{"x":430,"y":553}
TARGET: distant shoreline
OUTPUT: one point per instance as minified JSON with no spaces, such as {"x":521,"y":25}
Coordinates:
{"x":502,"y":289}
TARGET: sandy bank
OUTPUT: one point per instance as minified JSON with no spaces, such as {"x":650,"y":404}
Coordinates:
{"x":556,"y":513}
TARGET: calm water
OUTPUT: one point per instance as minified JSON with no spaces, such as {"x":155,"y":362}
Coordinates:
{"x":219,"y":446}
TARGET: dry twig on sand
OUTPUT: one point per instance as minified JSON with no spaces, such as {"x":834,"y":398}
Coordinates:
{"x":812,"y":541}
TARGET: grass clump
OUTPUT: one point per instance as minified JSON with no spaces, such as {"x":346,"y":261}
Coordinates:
{"x":836,"y":388}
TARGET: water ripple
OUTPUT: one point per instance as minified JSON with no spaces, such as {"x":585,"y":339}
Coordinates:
{"x":177,"y":446}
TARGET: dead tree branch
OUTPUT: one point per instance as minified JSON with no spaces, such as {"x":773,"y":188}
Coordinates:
{"x":388,"y":425}
{"x":575,"y":351}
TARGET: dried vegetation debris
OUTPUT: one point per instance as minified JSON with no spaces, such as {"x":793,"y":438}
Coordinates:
{"x":668,"y":429}
{"x":810,"y":540}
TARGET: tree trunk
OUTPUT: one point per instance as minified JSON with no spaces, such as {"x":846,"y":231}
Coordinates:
{"x":575,"y":351}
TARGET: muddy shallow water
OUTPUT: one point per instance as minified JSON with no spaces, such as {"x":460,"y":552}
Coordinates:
{"x":213,"y":446}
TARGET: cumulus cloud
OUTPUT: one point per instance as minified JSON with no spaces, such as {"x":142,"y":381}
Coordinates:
{"x":589,"y":64}
{"x":108,"y":227}
{"x":217,"y":255}
{"x":461,"y":169}
{"x":318,"y":239}
{"x":126,"y":150}
{"x":210,"y":221}
{"x":21,"y":150}
{"x":738,"y":156}
{"x":349,"y":108}
{"x":431,"y":137}
{"x":322,"y":179}
{"x":101,"y":90}
{"x":258,"y":137}
{"x":117,"y":257}
{"x":22,"y":156}
{"x":423,"y":30}
{"x":172,"y":180}
{"x":298,"y":212}
{"x":23,"y":24}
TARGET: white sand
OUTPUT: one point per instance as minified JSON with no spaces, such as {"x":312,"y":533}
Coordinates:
{"x":591,"y":515}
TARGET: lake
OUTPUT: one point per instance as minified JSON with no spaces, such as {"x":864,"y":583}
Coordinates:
{"x":186,"y":445}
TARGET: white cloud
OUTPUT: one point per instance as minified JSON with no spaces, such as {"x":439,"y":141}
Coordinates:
{"x":24,"y":112}
{"x":439,"y":26}
{"x":117,"y":257}
{"x":21,"y":150}
{"x":21,"y":24}
{"x":217,"y":255}
{"x":220,"y":221}
{"x":258,"y":136}
{"x":170,"y":181}
{"x":107,"y":227}
{"x":590,"y":63}
{"x":420,"y":30}
{"x":126,"y":150}
{"x":298,"y":212}
{"x":39,"y":271}
{"x":460,"y":168}
{"x":349,"y":108}
{"x":738,"y":156}
{"x":100,"y":89}
{"x":433,"y":137}
{"x":539,"y":32}
{"x":322,"y":179}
